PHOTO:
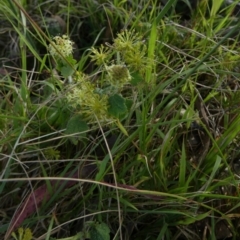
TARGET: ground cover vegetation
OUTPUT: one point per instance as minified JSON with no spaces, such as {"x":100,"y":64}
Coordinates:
{"x":119,"y":119}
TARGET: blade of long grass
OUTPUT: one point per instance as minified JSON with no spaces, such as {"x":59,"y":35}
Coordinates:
{"x":182,"y":168}
{"x":150,"y":74}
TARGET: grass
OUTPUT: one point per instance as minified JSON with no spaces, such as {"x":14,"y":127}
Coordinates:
{"x":156,"y":156}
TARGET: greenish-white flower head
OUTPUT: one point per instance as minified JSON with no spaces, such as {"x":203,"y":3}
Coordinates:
{"x":84,"y":97}
{"x":61,"y":46}
{"x":133,"y":50}
{"x":101,"y":55}
{"x":118,"y":75}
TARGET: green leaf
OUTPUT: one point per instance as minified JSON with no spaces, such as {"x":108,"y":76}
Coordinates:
{"x":67,"y":71}
{"x":151,"y":50}
{"x":117,"y":105}
{"x":215,"y":7}
{"x":48,"y":117}
{"x":136,"y":79}
{"x":193,"y":219}
{"x":76,"y":125}
{"x":128,"y":103}
{"x":100,"y":232}
{"x":182,"y":170}
{"x":68,"y":66}
{"x":70,"y":60}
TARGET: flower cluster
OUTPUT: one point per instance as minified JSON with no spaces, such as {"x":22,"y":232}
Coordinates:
{"x":118,"y":75}
{"x":98,"y":98}
{"x":51,"y":153}
{"x":101,"y":55}
{"x":127,"y":41}
{"x":133,"y":50}
{"x":61,"y":46}
{"x":85,"y":97}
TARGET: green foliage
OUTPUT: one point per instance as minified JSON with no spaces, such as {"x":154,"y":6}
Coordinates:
{"x":69,"y":68}
{"x":131,"y":109}
{"x":117,"y":105}
{"x":99,"y":231}
{"x":76,"y":125}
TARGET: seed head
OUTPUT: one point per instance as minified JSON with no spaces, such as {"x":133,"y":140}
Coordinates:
{"x":118,"y":75}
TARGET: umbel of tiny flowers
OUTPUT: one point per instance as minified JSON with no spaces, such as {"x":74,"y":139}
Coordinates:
{"x":83,"y":97}
{"x":101,"y":55}
{"x":133,"y":50}
{"x":61,"y":47}
{"x":118,"y":75}
{"x":130,"y":49}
